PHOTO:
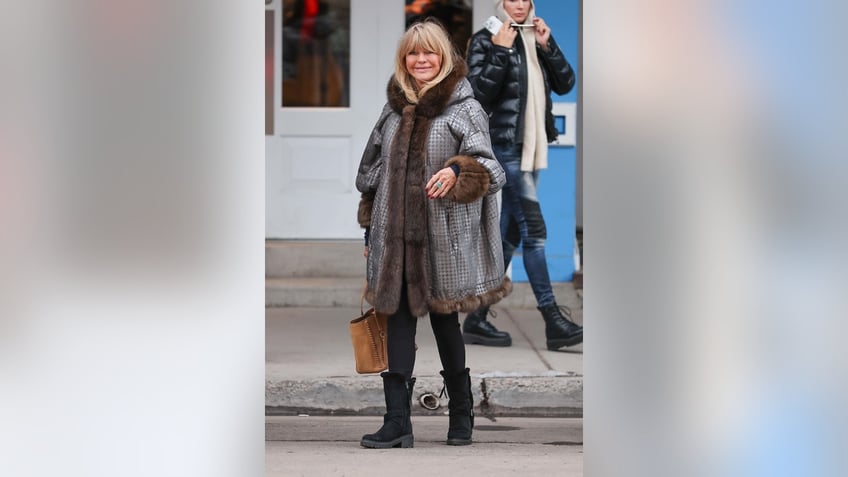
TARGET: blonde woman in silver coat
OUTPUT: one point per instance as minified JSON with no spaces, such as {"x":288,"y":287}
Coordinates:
{"x":428,"y":180}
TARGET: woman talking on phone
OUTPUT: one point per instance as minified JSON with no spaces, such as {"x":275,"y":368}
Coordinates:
{"x":513,"y":70}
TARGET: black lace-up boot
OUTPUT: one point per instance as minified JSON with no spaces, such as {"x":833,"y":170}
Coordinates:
{"x":397,"y":425}
{"x":460,"y":407}
{"x":559,"y":329}
{"x":477,"y":330}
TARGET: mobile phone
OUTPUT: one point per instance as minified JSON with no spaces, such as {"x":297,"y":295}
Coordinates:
{"x":493,"y":24}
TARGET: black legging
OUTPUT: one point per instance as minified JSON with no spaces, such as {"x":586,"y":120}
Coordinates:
{"x":401,"y":339}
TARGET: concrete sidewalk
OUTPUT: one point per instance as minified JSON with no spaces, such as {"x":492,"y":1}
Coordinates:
{"x":310,"y":368}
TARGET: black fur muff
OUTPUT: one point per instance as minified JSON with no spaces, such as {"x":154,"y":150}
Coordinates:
{"x":460,"y":407}
{"x":397,"y":424}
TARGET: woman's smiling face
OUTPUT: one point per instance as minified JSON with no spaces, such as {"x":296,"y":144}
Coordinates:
{"x":423,"y":65}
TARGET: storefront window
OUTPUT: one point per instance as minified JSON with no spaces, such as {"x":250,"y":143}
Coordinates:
{"x":455,"y":15}
{"x":316,"y":53}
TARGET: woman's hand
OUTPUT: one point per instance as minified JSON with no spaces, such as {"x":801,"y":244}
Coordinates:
{"x":365,"y":253}
{"x":505,"y":37}
{"x":441,"y":182}
{"x":542,"y":32}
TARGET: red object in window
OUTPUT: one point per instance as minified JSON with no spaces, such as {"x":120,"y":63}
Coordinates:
{"x":310,"y":11}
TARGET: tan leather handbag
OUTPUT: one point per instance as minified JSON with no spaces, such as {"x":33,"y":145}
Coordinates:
{"x":368,"y":335}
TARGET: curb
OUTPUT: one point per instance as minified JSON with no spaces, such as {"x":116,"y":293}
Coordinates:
{"x":495,"y":395}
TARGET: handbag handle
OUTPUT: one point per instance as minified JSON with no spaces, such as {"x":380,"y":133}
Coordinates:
{"x":362,"y":307}
{"x":362,"y":299}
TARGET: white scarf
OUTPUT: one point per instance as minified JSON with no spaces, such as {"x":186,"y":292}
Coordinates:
{"x":534,"y":152}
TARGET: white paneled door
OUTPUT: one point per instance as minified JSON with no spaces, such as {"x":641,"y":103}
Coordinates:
{"x":327,"y":65}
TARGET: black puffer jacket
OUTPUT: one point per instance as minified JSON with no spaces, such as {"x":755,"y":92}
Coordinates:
{"x":498,"y":76}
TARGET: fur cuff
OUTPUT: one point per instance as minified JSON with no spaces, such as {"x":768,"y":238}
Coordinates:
{"x":472,"y":182}
{"x":363,"y":215}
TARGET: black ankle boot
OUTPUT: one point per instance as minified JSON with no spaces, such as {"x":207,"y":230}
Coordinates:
{"x":460,"y":407}
{"x":397,"y":425}
{"x":559,"y":330}
{"x":476,"y":330}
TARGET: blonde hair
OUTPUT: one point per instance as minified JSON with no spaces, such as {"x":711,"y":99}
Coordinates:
{"x":429,"y":36}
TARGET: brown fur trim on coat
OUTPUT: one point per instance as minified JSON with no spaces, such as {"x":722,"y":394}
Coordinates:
{"x":363,"y":215}
{"x":416,"y":231}
{"x":474,"y":302}
{"x":434,"y":101}
{"x":390,"y":278}
{"x":406,"y":255}
{"x":472,"y":181}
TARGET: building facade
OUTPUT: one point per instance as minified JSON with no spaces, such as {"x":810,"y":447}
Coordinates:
{"x":326,"y":68}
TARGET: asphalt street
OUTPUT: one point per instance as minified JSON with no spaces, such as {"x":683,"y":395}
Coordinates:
{"x":507,"y":446}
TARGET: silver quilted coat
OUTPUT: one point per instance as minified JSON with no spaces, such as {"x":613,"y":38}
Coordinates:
{"x":461,"y":257}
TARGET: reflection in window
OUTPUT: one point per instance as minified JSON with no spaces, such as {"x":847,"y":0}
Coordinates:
{"x":316,"y":53}
{"x":455,"y":15}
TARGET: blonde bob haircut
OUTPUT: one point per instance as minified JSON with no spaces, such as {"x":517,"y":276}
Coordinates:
{"x":429,"y":36}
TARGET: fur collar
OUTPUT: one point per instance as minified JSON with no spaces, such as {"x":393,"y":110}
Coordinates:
{"x":435,"y":101}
